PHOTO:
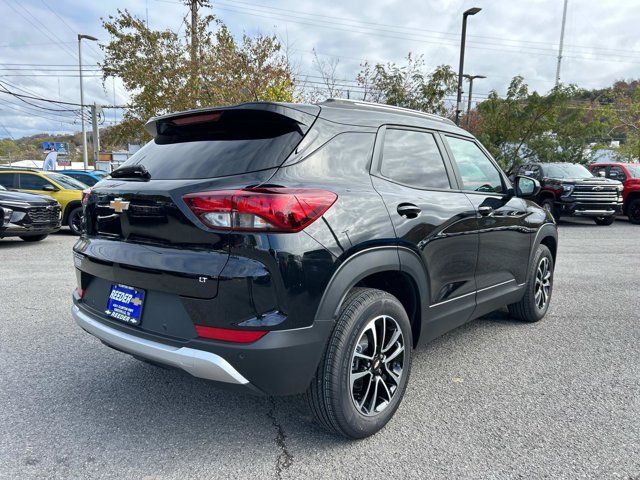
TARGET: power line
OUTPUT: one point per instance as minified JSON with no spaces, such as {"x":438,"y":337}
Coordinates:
{"x":403,"y":28}
{"x":6,"y":130}
{"x":67,"y":25}
{"x":421,"y":38}
{"x":39,"y":27}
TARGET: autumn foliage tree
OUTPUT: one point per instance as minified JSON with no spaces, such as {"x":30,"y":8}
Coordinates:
{"x":410,"y":85}
{"x":157,"y":70}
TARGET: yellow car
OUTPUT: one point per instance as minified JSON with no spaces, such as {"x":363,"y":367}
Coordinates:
{"x":66,"y":190}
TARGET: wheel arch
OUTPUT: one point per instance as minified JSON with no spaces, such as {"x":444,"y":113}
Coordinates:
{"x":546,"y":235}
{"x":69,"y":208}
{"x":390,"y":269}
{"x":630,"y":198}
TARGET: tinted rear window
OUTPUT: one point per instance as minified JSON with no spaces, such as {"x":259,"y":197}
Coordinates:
{"x":227,"y":143}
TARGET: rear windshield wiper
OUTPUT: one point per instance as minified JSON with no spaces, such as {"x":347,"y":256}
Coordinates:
{"x":132,"y":171}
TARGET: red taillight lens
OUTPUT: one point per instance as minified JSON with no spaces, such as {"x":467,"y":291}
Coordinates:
{"x":261,"y":209}
{"x":228,"y":335}
{"x":85,"y":196}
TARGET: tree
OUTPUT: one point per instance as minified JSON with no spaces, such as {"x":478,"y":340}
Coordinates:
{"x":409,"y":85}
{"x":157,"y":68}
{"x":623,"y":118}
{"x":523,"y":126}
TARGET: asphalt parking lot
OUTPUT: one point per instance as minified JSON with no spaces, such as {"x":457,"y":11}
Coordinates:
{"x":492,"y":399}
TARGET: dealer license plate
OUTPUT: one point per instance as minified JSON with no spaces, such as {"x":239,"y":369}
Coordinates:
{"x":125,"y":304}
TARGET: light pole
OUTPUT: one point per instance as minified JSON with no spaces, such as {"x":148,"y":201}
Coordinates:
{"x":84,"y":132}
{"x":471,"y":78}
{"x":471,"y":11}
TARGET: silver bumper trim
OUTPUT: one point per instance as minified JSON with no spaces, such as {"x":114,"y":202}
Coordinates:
{"x":594,"y":213}
{"x":198,"y":363}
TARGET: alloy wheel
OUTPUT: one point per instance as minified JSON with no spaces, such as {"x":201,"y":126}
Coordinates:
{"x":543,"y":283}
{"x":376,"y":365}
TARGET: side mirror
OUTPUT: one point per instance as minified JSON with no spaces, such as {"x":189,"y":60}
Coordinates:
{"x":601,"y":173}
{"x":527,"y":187}
{"x":49,"y":188}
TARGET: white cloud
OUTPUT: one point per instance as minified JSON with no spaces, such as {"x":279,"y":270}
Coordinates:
{"x":506,"y":38}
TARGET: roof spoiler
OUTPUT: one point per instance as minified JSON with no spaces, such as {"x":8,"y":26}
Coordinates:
{"x":305,"y":115}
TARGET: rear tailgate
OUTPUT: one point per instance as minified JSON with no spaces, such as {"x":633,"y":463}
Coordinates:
{"x":140,"y":232}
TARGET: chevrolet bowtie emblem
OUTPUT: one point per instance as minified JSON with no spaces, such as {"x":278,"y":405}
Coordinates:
{"x":597,"y":189}
{"x":118,"y":205}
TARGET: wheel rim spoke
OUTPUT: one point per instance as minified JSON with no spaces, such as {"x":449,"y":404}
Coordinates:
{"x":377,"y":364}
{"x":542,"y":286}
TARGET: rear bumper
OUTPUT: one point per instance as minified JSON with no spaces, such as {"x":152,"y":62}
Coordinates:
{"x":283,"y":362}
{"x":198,"y":363}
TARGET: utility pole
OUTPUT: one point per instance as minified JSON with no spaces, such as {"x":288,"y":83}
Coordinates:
{"x":84,"y":132}
{"x":471,"y":78}
{"x":564,"y":21}
{"x":194,"y":33}
{"x":95,"y":134}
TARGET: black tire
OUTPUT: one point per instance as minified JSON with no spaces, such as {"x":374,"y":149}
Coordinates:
{"x":34,"y":238}
{"x":331,"y":396}
{"x":75,"y":221}
{"x":633,"y":211}
{"x":605,"y":220}
{"x":549,"y":205}
{"x":528,"y":309}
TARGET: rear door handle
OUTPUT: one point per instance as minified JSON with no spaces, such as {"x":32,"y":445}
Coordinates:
{"x":408,"y":210}
{"x":485,"y":210}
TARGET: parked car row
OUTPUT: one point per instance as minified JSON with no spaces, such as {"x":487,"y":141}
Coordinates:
{"x":35,"y":203}
{"x":569,"y":189}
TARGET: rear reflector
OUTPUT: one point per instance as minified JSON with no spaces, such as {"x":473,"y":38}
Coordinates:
{"x":228,"y":335}
{"x":261,"y":209}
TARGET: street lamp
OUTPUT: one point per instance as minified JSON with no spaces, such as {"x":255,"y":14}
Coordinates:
{"x":84,"y":132}
{"x":471,"y":11}
{"x":471,"y":78}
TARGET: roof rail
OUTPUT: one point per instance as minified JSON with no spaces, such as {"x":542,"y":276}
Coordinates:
{"x":15,"y":167}
{"x":383,"y":106}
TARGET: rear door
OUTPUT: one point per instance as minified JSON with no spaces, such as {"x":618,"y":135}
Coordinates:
{"x":431,"y":218}
{"x":503,"y":224}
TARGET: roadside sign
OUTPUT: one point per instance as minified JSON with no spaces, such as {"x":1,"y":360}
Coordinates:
{"x":61,"y":147}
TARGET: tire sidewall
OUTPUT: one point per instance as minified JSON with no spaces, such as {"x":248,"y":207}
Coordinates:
{"x":72,"y":213}
{"x":635,"y":204}
{"x":354,"y":423}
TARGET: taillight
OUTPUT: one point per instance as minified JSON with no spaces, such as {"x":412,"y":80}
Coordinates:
{"x":261,"y":209}
{"x":229,"y":335}
{"x":85,"y":196}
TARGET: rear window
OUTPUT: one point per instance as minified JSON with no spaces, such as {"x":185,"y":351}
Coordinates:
{"x":218,"y":144}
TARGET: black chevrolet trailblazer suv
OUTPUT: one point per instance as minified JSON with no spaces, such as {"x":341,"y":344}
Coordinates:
{"x":570,"y":189}
{"x":290,"y":248}
{"x":30,"y":217}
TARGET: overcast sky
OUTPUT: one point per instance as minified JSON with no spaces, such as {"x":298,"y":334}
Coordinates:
{"x":38,"y":48}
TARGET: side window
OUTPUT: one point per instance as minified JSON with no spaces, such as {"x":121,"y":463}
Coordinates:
{"x":413,"y":158}
{"x":478,"y":173}
{"x":616,"y":173}
{"x":32,"y":182}
{"x":596,"y":170}
{"x":6,"y":180}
